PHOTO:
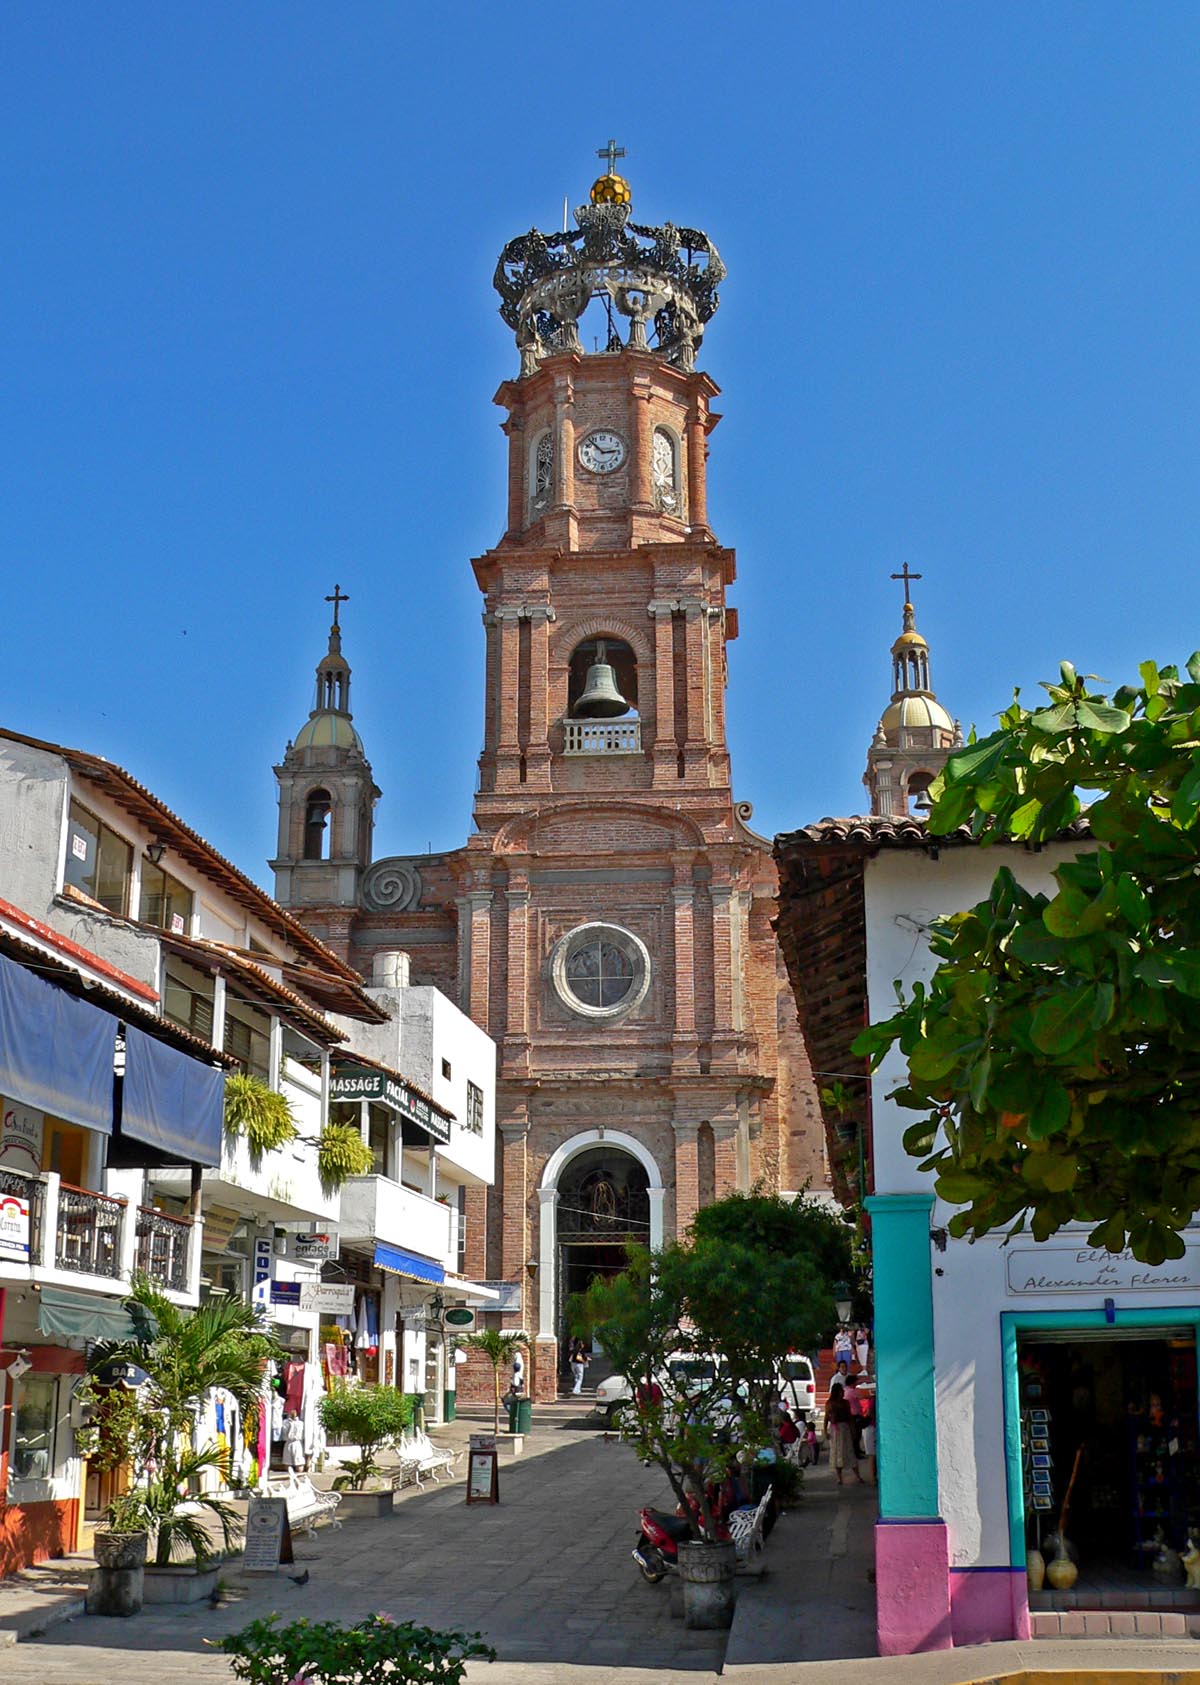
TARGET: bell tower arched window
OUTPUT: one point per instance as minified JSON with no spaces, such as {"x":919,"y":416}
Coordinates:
{"x":596,"y":654}
{"x":316,"y":825}
{"x":541,"y":473}
{"x":664,"y":471}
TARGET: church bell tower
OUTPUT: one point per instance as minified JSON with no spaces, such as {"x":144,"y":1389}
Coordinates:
{"x":915,"y":735}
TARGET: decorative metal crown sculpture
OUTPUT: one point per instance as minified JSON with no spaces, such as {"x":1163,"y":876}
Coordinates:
{"x":666,"y":276}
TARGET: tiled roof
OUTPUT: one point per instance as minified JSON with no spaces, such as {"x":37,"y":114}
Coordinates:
{"x":884,"y":830}
{"x":253,"y":976}
{"x":146,"y":807}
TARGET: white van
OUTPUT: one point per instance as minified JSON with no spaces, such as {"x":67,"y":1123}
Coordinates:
{"x":798,"y":1386}
{"x":615,"y":1390}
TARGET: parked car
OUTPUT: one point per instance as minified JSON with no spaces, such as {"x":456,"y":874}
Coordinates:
{"x":615,"y":1390}
{"x":798,"y":1386}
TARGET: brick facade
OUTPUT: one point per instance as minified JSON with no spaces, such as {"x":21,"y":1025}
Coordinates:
{"x":706,"y":1072}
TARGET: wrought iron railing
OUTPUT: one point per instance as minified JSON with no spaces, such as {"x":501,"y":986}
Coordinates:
{"x":602,"y":737}
{"x":162,"y":1248}
{"x":33,"y":1190}
{"x":88,"y":1237}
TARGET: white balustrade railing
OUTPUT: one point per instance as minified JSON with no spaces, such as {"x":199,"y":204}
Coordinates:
{"x":602,"y":737}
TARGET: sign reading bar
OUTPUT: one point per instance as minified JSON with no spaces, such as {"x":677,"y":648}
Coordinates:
{"x":268,"y":1536}
{"x":360,"y":1082}
{"x":1090,"y":1269}
{"x":327,"y":1298}
{"x":14,"y":1227}
{"x":483,"y":1470}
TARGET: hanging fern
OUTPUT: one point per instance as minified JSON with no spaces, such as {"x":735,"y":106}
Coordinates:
{"x":257,"y":1112}
{"x":342,"y":1153}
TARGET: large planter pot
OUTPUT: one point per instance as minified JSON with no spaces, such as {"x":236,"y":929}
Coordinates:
{"x":709,"y":1589}
{"x":180,"y":1583}
{"x":120,"y":1550}
{"x":365,"y":1506}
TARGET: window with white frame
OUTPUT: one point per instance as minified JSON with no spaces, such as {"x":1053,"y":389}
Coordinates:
{"x":474,"y":1119}
{"x":99,"y":861}
{"x":34,"y":1428}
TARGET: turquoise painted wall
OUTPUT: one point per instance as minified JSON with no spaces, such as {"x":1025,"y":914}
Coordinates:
{"x":907,"y":1436}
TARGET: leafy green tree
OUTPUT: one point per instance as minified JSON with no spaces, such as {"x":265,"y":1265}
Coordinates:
{"x":699,"y":1328}
{"x":366,"y":1416}
{"x":377,"y":1651}
{"x":184,"y":1353}
{"x":1055,"y":1053}
{"x":499,"y":1346}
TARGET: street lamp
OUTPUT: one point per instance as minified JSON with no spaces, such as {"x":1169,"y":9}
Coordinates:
{"x":843,"y":1301}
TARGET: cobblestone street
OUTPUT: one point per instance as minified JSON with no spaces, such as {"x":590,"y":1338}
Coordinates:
{"x":546,"y":1576}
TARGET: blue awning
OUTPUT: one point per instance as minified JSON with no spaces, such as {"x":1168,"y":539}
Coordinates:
{"x":56,"y":1052}
{"x":411,"y":1264}
{"x":170,"y":1100}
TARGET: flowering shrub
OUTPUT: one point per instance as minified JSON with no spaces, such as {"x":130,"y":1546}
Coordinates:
{"x":378,"y":1651}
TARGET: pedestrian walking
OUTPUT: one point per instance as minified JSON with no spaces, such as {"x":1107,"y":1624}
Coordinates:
{"x":862,"y":1348}
{"x":842,"y":1453}
{"x":843,"y":1345}
{"x":579,"y":1362}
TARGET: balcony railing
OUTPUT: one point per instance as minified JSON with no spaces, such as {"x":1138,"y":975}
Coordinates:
{"x":82,"y":1233}
{"x":602,"y":737}
{"x":163,"y":1248}
{"x":88,"y":1237}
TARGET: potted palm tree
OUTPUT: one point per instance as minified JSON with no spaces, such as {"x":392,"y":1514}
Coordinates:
{"x":179,"y":1355}
{"x":499,"y":1346}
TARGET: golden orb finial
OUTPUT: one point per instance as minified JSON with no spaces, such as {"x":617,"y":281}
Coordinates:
{"x":611,"y":190}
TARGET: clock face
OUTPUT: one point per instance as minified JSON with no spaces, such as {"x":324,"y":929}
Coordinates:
{"x":602,"y":451}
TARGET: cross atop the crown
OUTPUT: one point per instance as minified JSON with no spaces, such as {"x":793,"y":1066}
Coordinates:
{"x":611,"y":152}
{"x":339,"y":597}
{"x":907,"y":577}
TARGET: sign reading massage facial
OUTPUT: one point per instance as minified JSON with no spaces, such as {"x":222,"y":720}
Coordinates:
{"x":1089,"y":1269}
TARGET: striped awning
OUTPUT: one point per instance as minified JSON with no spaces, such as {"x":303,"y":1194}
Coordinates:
{"x":414,"y":1265}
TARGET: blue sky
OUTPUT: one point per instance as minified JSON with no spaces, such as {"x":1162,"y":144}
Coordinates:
{"x":249,"y":346}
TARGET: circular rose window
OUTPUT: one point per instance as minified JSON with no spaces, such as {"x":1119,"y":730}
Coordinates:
{"x":600,"y":970}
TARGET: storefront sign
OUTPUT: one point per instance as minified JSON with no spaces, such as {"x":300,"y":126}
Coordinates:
{"x":510,"y":1296}
{"x":327,"y":1298}
{"x":483,"y":1470}
{"x":460,"y":1316}
{"x":1089,"y":1269}
{"x":219,"y":1224}
{"x":286,"y":1293}
{"x":264,"y":1253}
{"x":359,"y":1082}
{"x":20,"y":1138}
{"x":14,"y":1228}
{"x":268,"y":1536}
{"x":315,"y":1247}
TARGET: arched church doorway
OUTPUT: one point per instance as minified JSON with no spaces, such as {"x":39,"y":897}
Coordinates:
{"x":599,"y":1191}
{"x":603,"y":1203}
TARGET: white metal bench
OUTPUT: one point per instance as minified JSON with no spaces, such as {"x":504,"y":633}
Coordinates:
{"x":305,"y":1504}
{"x":419,"y":1456}
{"x":746,"y":1529}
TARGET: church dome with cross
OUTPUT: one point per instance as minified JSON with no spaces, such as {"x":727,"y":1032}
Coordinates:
{"x":915,"y":733}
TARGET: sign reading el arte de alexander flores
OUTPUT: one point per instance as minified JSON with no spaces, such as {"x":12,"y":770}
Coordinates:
{"x":1089,"y":1269}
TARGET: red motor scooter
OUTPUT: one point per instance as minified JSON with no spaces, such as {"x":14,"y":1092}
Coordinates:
{"x":656,"y":1548}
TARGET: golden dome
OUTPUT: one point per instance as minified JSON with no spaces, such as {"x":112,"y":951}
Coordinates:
{"x":916,"y":713}
{"x":909,"y":640}
{"x":328,"y":730}
{"x":611,"y":189}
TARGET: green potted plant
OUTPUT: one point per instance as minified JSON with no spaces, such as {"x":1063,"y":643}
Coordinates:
{"x":177,"y":1357}
{"x":342,"y":1153}
{"x":259,"y":1112}
{"x":377,"y":1651}
{"x":367,"y":1417}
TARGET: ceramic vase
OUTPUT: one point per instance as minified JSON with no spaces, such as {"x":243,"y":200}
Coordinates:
{"x":1035,"y":1569}
{"x":1062,"y":1572}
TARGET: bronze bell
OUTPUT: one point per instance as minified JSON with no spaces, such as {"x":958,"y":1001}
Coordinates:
{"x":601,"y":700}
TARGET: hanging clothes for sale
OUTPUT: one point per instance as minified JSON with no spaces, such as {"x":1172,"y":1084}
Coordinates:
{"x":372,"y":1339}
{"x":293,"y":1388}
{"x":293,"y":1442}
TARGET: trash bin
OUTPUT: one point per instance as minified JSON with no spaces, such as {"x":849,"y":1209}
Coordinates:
{"x":524,"y":1415}
{"x":449,"y":1405}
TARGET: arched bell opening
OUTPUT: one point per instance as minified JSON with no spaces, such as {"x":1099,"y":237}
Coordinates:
{"x":602,"y":680}
{"x":317,"y":810}
{"x":917,"y":792}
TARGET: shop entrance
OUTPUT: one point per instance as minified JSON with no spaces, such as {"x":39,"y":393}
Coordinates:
{"x":1109,"y":1430}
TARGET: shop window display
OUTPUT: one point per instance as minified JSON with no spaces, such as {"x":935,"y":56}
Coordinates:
{"x":1113,"y":1423}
